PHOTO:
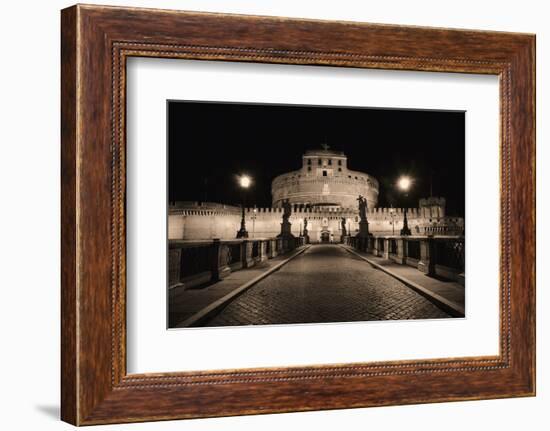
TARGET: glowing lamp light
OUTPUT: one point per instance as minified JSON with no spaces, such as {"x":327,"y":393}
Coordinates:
{"x":404,"y":183}
{"x":245,"y":181}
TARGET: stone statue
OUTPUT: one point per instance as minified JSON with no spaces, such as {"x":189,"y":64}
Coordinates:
{"x":363,"y":222}
{"x":344,"y":232}
{"x":362,"y":208}
{"x":287,"y":209}
{"x":286,"y":225}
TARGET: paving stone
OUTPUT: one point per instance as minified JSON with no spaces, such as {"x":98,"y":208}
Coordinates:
{"x":326,"y":284}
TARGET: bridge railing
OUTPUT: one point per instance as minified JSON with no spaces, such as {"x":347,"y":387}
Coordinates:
{"x":193,"y":263}
{"x":433,"y":255}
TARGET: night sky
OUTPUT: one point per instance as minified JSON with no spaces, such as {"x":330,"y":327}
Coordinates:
{"x":209,"y":144}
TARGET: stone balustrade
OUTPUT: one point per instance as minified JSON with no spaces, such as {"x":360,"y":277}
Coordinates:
{"x":433,"y":255}
{"x":194,"y":263}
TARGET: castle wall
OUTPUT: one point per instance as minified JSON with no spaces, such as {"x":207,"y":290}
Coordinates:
{"x":191,"y":220}
{"x":324,"y":179}
{"x":341,"y":190}
{"x":203,"y":222}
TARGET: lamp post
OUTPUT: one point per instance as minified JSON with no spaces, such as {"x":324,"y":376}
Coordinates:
{"x":404,"y":184}
{"x":254,"y":222}
{"x":392,"y":214}
{"x":244,"y":183}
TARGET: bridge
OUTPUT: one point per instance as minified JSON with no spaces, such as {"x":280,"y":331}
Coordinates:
{"x":270,"y":281}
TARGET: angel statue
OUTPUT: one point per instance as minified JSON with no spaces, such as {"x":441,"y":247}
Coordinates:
{"x":362,"y":208}
{"x":286,"y":209}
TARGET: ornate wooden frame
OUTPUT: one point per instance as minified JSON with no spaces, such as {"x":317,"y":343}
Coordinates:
{"x":95,"y":43}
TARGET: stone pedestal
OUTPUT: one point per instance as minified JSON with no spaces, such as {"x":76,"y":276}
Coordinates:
{"x":401,"y":253}
{"x":263,"y":251}
{"x":246,"y":254}
{"x":363,"y":229}
{"x":220,"y":267}
{"x":174,"y":256}
{"x":378,"y":247}
{"x":426,"y":264}
{"x":386,"y":252}
{"x":272,"y":248}
{"x":285,"y":230}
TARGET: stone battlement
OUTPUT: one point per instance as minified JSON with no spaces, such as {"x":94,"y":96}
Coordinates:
{"x":207,"y":220}
{"x":212,"y":208}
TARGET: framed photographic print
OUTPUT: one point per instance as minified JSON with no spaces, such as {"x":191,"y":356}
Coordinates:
{"x":267,"y":215}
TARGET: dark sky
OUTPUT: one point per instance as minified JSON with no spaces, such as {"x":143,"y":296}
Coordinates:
{"x":209,"y":144}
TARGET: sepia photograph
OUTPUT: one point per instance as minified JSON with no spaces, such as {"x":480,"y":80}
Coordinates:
{"x":297,"y":214}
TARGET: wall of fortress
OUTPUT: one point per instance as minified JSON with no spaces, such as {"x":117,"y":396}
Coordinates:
{"x":301,"y":187}
{"x":206,"y":221}
{"x":315,"y":189}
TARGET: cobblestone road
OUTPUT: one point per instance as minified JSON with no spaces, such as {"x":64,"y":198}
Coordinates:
{"x":326,"y":284}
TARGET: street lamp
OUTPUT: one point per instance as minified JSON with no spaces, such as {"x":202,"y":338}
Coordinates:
{"x":404,"y":183}
{"x":254,"y":222}
{"x":244,"y":183}
{"x":392,"y":215}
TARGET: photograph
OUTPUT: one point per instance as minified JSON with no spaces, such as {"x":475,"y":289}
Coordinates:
{"x":301,"y":214}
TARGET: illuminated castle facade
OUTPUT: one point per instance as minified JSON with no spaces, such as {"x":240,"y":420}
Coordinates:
{"x":324,"y":181}
{"x":323,"y":196}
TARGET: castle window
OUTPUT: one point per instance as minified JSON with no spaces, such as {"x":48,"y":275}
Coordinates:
{"x":324,"y":173}
{"x":339,"y":169}
{"x":330,"y":161}
{"x":320,"y":162}
{"x":309,"y":161}
{"x":309,"y":168}
{"x":339,"y":162}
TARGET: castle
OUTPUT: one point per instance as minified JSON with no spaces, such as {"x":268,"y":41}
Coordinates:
{"x":324,"y":181}
{"x":323,"y":198}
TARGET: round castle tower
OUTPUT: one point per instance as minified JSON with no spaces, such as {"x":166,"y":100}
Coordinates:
{"x":324,"y":181}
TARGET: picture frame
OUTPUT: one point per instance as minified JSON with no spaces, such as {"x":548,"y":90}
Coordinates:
{"x":96,"y":41}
